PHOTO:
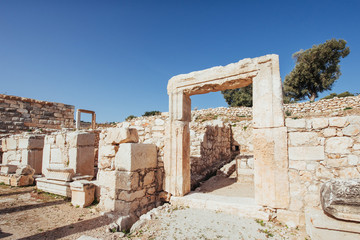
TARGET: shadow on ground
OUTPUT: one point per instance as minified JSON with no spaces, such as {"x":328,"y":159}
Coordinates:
{"x":28,"y":207}
{"x":70,"y":229}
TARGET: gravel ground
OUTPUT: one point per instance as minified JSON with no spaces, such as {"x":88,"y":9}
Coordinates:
{"x":27,"y":214}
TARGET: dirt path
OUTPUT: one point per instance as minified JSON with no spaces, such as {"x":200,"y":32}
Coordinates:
{"x":27,"y":214}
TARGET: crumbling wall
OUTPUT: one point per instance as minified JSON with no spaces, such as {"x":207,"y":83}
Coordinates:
{"x":210,"y":148}
{"x":22,"y":114}
{"x":24,"y":149}
{"x":319,"y":149}
{"x":69,"y":149}
{"x":129,"y":177}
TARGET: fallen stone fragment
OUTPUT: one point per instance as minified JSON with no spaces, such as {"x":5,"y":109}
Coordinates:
{"x":340,"y":198}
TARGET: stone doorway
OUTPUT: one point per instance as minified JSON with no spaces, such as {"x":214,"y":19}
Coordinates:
{"x":270,"y":136}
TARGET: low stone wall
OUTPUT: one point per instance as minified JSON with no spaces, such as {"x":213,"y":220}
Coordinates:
{"x":24,"y":149}
{"x":129,"y":177}
{"x":319,"y":149}
{"x":22,"y":114}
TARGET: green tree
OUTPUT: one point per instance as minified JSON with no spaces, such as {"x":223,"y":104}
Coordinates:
{"x":151,"y":113}
{"x":239,"y":97}
{"x":315,"y":71}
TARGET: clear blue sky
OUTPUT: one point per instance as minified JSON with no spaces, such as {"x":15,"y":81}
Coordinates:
{"x":116,"y":57}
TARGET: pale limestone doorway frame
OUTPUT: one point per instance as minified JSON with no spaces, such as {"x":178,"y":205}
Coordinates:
{"x":270,"y":133}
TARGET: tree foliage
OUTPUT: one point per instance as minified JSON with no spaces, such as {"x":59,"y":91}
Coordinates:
{"x":239,"y":97}
{"x":151,"y":113}
{"x":315,"y":71}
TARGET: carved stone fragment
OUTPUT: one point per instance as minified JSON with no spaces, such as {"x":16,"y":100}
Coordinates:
{"x":340,"y":198}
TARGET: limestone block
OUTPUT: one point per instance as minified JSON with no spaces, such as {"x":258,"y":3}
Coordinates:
{"x":330,"y":132}
{"x":133,"y":156}
{"x":62,"y":174}
{"x":339,"y":145}
{"x":337,"y":121}
{"x":271,"y":167}
{"x":354,"y":119}
{"x":299,"y":165}
{"x":127,"y":180}
{"x":11,"y":144}
{"x":84,"y":163}
{"x":82,"y":193}
{"x":131,"y":196}
{"x":318,"y":123}
{"x":295,"y":123}
{"x":8,"y":168}
{"x":56,"y":156}
{"x":45,"y":158}
{"x":351,"y":130}
{"x":3,"y":145}
{"x":322,"y":227}
{"x":32,"y":158}
{"x":303,"y":138}
{"x":268,"y":95}
{"x":54,"y":186}
{"x":340,"y":198}
{"x":149,"y":178}
{"x":353,"y":160}
{"x":306,"y":153}
{"x":33,"y":142}
{"x":107,"y":151}
{"x":290,"y":218}
{"x":159,"y":122}
{"x":121,"y":135}
{"x":79,"y":138}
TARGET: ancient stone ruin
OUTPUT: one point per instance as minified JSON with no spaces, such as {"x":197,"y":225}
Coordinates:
{"x":302,"y":167}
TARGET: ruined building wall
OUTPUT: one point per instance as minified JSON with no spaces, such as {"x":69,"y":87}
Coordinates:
{"x":21,"y":114}
{"x":211,"y":143}
{"x":319,"y":149}
{"x":210,"y":148}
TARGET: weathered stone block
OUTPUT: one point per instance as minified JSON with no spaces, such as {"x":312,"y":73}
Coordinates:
{"x":62,"y":174}
{"x":295,"y":123}
{"x":339,"y":145}
{"x":132,"y":156}
{"x":337,"y":121}
{"x":271,"y":167}
{"x":322,"y":227}
{"x":318,"y":123}
{"x":82,"y":193}
{"x":121,"y":135}
{"x":351,"y":130}
{"x":330,"y":132}
{"x":341,"y":198}
{"x":290,"y":218}
{"x":303,"y":138}
{"x":306,"y":153}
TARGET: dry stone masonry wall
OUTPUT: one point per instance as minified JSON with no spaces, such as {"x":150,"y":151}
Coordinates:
{"x":21,"y":114}
{"x":129,"y":177}
{"x":319,"y":149}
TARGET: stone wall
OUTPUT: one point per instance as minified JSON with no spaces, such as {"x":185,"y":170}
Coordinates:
{"x":211,"y":142}
{"x":129,"y":177}
{"x":22,"y":114}
{"x":24,"y":149}
{"x":324,"y":106}
{"x":210,"y":148}
{"x":319,"y":149}
{"x":69,"y":150}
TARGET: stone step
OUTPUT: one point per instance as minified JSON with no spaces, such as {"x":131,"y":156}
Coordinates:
{"x":240,"y":206}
